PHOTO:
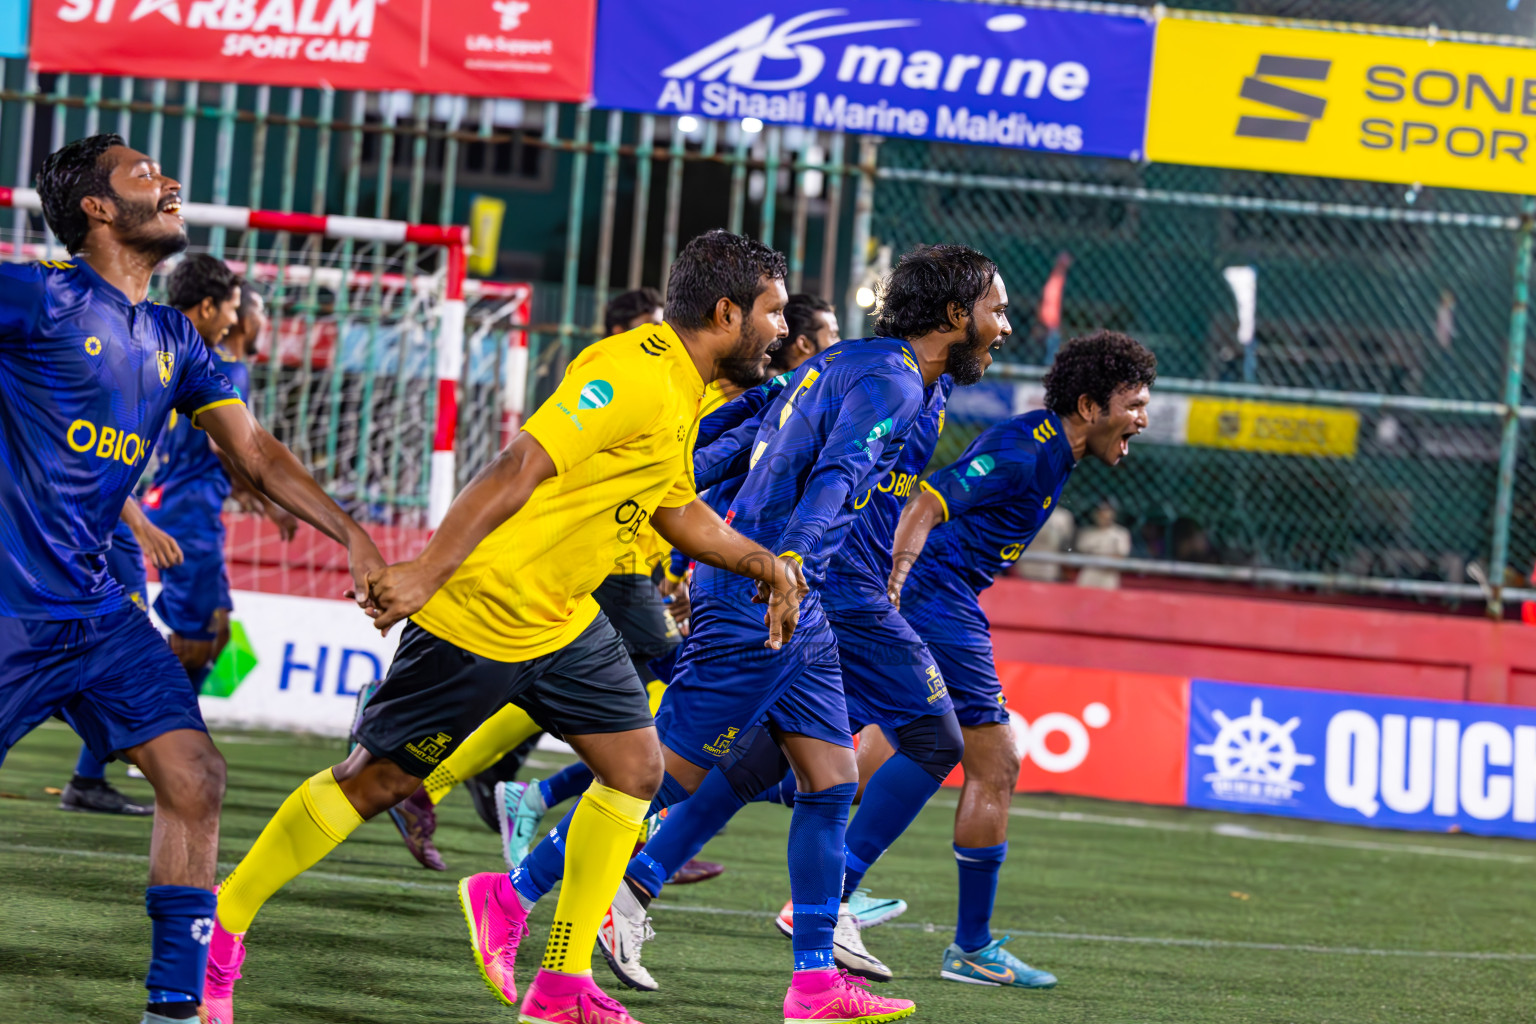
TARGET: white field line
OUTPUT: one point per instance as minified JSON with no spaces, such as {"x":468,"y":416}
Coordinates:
{"x":681,"y":908}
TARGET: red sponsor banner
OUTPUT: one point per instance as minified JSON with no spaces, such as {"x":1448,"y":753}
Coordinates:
{"x":525,"y":49}
{"x":1091,"y":732}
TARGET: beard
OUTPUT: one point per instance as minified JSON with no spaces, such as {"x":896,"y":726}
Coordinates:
{"x":134,"y":222}
{"x":963,"y":362}
{"x":744,"y":366}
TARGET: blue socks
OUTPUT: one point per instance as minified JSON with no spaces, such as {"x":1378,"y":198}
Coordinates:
{"x":569,"y":782}
{"x":545,"y":863}
{"x":816,"y":833}
{"x":892,"y":799}
{"x":688,"y":827}
{"x":89,"y":767}
{"x":979,"y":867}
{"x":181,"y":926}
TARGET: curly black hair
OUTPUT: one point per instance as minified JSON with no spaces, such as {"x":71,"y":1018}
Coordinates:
{"x":915,"y":297}
{"x":1097,"y":365}
{"x":719,"y":265}
{"x":69,"y":174}
{"x":625,"y":306}
{"x":200,"y":277}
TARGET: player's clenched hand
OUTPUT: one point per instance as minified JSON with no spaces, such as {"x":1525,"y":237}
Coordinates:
{"x":363,"y":559}
{"x":675,"y":594}
{"x":160,"y":547}
{"x":399,"y":591}
{"x":898,"y":579}
{"x":286,"y":522}
{"x":783,"y":597}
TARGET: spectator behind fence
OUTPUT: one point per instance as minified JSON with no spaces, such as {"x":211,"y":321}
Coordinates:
{"x":1105,"y":537}
{"x":1054,"y":537}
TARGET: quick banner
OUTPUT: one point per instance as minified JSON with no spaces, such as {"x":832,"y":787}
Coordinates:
{"x":1429,"y":766}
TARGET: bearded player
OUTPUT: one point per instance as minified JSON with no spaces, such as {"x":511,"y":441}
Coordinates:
{"x":969,"y":524}
{"x":90,"y":373}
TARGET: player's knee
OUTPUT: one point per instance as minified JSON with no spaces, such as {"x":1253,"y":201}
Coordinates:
{"x":754,"y":763}
{"x":934,"y":742}
{"x":1001,"y":768}
{"x":196,"y":786}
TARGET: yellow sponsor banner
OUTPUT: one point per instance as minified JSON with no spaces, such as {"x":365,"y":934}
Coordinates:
{"x":485,"y":216}
{"x":1273,"y":427}
{"x":1344,"y":105}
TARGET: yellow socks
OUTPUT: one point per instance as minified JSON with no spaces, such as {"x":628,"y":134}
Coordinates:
{"x":598,"y":845}
{"x":482,"y":748}
{"x":311,"y":823}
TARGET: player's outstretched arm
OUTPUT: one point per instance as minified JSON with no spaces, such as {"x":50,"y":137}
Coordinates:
{"x":159,"y":546}
{"x":696,"y":530}
{"x":918,"y":519}
{"x":495,"y":495}
{"x":274,"y":471}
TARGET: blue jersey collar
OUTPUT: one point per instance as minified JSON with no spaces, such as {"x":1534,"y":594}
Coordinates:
{"x":101,"y":284}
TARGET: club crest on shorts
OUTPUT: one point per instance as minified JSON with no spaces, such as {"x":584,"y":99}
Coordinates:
{"x":722,"y":744}
{"x":430,"y":748}
{"x":167,"y":364}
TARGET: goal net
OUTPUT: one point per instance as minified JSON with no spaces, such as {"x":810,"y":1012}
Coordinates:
{"x":391,"y":375}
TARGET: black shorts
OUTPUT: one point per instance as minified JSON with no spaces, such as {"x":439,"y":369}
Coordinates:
{"x":436,"y":693}
{"x":634,"y":606}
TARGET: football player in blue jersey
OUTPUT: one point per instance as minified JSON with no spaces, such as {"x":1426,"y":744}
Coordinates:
{"x":133,"y":538}
{"x":194,"y":479}
{"x":90,"y":373}
{"x":832,"y":435}
{"x":970,"y":522}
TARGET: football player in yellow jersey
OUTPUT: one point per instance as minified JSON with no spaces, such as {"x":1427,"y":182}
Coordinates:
{"x":501,"y":612}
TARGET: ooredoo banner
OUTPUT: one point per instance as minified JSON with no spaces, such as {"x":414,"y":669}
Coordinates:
{"x":1090,"y":732}
{"x":1424,"y":765}
{"x":525,"y":49}
{"x":1062,"y":81}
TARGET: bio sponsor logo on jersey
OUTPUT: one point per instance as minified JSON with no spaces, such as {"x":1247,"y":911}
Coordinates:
{"x":1048,"y":80}
{"x":1340,"y":104}
{"x":1368,"y":760}
{"x":118,"y":444}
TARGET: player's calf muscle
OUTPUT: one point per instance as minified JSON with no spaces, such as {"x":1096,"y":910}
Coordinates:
{"x":372,"y":785}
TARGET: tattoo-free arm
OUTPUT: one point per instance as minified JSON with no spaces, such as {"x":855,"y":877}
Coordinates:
{"x":274,"y":471}
{"x":496,"y":494}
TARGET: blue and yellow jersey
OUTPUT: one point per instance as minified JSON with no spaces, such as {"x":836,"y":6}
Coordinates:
{"x":88,"y":380}
{"x":996,"y":497}
{"x":833,"y":432}
{"x":861,"y":567}
{"x":190,"y":483}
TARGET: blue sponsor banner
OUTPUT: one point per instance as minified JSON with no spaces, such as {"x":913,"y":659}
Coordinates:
{"x":1057,"y":81}
{"x":1424,"y":765}
{"x":13,"y":28}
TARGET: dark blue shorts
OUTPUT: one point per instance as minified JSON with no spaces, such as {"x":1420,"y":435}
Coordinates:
{"x":889,"y":676}
{"x":971,"y":676}
{"x":726,"y":681}
{"x":112,"y":678}
{"x":192,"y":593}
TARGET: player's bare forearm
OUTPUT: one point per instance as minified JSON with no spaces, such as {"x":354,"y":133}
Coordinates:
{"x":159,"y":547}
{"x":918,"y":519}
{"x":274,"y":471}
{"x":134,"y":516}
{"x":697,"y":531}
{"x":497,"y":493}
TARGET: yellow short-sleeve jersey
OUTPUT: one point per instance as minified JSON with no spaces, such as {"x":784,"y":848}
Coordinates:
{"x":620,"y":430}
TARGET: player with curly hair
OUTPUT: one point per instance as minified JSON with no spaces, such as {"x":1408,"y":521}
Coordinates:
{"x":970,"y":523}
